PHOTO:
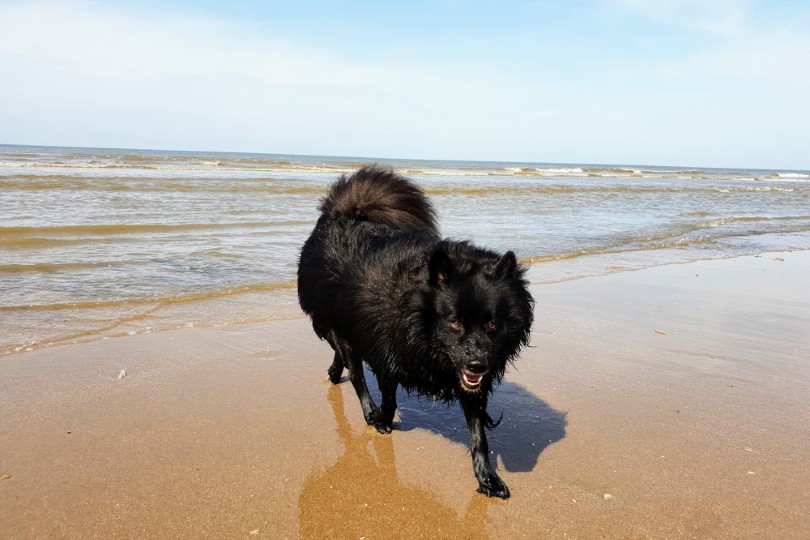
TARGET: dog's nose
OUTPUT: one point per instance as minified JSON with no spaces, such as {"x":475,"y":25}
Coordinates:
{"x":476,"y":366}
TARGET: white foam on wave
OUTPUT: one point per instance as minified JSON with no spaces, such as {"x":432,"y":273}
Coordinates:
{"x":768,"y":189}
{"x":572,"y":170}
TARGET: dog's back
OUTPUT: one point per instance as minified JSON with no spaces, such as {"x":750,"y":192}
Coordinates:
{"x":370,"y":204}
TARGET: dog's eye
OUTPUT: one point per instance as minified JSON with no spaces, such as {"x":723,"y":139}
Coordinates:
{"x":492,"y":327}
{"x":456,"y":326}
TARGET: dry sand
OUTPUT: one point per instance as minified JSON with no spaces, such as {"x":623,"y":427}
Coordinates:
{"x":670,"y":402}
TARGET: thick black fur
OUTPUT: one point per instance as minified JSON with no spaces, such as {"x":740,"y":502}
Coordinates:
{"x":439,"y":317}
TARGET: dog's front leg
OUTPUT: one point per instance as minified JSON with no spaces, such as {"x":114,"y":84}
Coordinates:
{"x":385,"y":413}
{"x":489,"y":483}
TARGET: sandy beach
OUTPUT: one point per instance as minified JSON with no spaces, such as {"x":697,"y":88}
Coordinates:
{"x":669,"y":402}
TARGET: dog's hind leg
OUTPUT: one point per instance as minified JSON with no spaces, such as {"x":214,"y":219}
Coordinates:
{"x":358,"y":379}
{"x":475,"y":411}
{"x":339,"y":346}
{"x":385,"y":414}
{"x":336,"y":369}
{"x":344,"y":355}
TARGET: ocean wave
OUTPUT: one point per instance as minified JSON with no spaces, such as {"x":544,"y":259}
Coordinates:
{"x":183,"y":298}
{"x":554,"y":189}
{"x":752,"y":189}
{"x":83,"y":165}
{"x":105,"y":229}
{"x":36,"y":242}
{"x":562,"y":170}
{"x":284,"y":187}
{"x":686,"y":235}
{"x":268,"y":167}
{"x":223,"y":163}
{"x":58,"y":267}
{"x":613,"y":170}
{"x":156,"y":185}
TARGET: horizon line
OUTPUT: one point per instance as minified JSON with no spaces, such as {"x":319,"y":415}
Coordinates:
{"x":378,"y":159}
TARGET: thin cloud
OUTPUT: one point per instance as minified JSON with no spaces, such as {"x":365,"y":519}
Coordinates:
{"x":97,"y":42}
{"x":719,"y":17}
{"x":228,"y":76}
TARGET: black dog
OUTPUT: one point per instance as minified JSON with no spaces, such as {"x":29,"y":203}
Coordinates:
{"x":439,"y":317}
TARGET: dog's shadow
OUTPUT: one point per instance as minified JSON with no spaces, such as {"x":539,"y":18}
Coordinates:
{"x":529,"y":424}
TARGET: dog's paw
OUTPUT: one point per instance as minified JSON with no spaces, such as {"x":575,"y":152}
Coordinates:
{"x":494,"y":487}
{"x":381,"y":425}
{"x":383,"y":428}
{"x":334,"y":375}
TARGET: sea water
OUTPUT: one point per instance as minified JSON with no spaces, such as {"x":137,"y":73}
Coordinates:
{"x":99,"y":242}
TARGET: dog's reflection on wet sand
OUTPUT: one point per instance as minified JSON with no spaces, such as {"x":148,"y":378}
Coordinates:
{"x":361,"y":495}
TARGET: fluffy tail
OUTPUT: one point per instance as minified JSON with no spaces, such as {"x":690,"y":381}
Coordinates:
{"x":378,"y":195}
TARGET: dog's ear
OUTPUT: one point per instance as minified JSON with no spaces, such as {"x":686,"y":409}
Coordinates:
{"x":440,"y":267}
{"x":506,"y":267}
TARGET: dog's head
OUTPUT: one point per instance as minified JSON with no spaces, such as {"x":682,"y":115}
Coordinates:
{"x":482,"y":311}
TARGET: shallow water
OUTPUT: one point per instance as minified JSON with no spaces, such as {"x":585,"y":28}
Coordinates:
{"x":95,"y":242}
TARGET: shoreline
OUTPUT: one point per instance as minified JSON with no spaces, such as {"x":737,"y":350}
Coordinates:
{"x":664,"y":402}
{"x":270,"y":302}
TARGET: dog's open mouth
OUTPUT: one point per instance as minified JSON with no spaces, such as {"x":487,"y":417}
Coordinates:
{"x":470,"y":381}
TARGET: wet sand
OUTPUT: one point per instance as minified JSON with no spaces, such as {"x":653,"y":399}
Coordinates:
{"x":670,"y":402}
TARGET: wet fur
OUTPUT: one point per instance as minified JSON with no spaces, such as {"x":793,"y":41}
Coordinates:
{"x":383,"y":288}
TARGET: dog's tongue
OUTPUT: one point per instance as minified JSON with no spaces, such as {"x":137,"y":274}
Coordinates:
{"x":470,"y":379}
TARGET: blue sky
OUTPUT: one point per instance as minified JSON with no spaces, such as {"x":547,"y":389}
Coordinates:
{"x":670,"y":82}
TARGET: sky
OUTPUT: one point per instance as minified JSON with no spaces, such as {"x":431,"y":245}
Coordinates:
{"x":714,"y":83}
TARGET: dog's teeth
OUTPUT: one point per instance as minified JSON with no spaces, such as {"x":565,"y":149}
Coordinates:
{"x":471,"y":380}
